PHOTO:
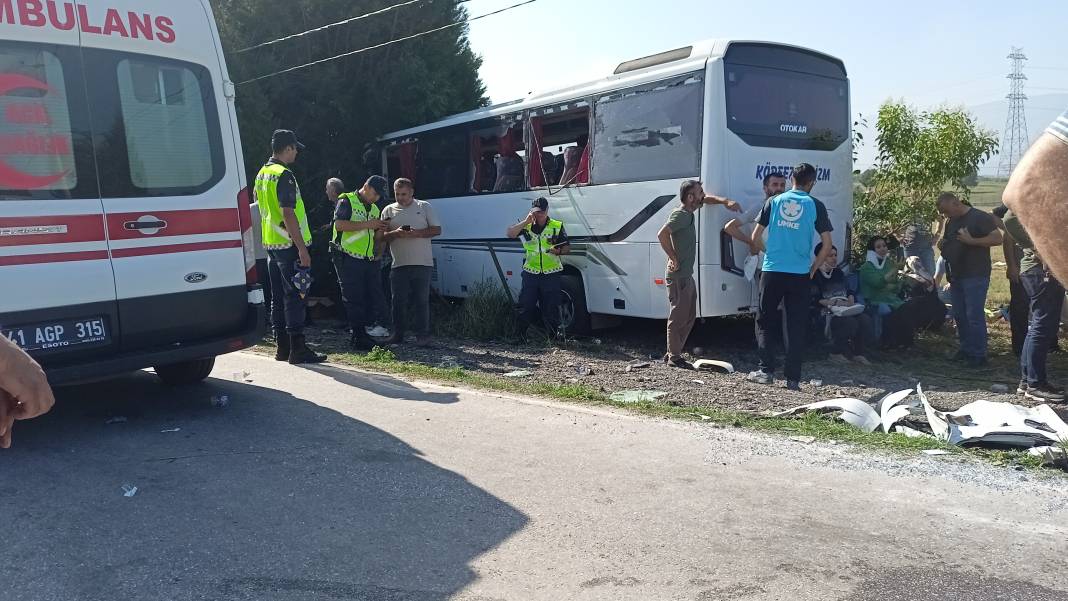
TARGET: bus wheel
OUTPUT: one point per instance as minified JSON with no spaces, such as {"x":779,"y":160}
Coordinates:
{"x":574,"y":317}
{"x":186,"y":372}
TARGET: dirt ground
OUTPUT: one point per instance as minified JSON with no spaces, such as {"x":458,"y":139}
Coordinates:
{"x":602,"y":361}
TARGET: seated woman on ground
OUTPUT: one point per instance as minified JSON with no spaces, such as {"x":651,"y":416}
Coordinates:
{"x":847,"y":326}
{"x":880,"y":285}
{"x":879,"y":282}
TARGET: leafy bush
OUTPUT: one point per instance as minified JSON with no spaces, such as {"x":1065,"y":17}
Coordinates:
{"x":920,"y":155}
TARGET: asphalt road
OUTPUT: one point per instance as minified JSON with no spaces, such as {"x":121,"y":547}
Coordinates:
{"x":330,"y":484}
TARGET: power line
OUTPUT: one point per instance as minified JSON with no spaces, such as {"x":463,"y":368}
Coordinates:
{"x":383,"y":44}
{"x":330,"y":26}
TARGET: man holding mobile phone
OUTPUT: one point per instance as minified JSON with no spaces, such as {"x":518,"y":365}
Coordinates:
{"x":410,"y":225}
{"x":544,"y":241}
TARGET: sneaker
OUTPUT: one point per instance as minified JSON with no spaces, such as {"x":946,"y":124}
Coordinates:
{"x":680,"y":363}
{"x":760,"y":377}
{"x":377,"y":332}
{"x":793,"y":385}
{"x":861,"y":359}
{"x":1045,"y":393}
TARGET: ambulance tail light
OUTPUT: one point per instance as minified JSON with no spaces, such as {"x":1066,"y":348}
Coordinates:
{"x":248,"y":244}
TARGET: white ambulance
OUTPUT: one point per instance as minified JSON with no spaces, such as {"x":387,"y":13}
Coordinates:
{"x":125,"y":235}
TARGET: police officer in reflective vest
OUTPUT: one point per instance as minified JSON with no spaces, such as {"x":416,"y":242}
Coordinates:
{"x":544,"y":241}
{"x":356,"y":247}
{"x":286,"y":237}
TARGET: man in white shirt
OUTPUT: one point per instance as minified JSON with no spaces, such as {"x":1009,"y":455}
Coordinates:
{"x":411,"y":223}
{"x":741,"y":228}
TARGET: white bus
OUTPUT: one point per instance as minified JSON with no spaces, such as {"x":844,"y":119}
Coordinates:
{"x":125,"y":237}
{"x":725,"y":112}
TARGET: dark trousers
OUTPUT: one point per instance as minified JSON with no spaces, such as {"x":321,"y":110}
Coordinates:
{"x":361,"y":290}
{"x":853,"y":335}
{"x":387,"y":267}
{"x":1019,"y":314}
{"x":539,"y":290}
{"x":793,"y":291}
{"x":410,"y":286}
{"x":288,"y":310}
{"x":1047,"y":300}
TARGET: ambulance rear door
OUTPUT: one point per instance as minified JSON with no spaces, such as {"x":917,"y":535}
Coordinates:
{"x":58,"y":287}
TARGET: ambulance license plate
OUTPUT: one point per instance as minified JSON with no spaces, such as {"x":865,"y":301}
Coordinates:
{"x":55,"y":335}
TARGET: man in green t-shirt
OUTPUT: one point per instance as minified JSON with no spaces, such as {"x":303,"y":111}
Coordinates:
{"x":678,"y":238}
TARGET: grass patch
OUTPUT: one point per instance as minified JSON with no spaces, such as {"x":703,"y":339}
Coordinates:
{"x":384,"y":360}
{"x":486,"y":314}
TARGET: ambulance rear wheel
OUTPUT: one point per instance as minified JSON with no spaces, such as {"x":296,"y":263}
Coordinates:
{"x":186,"y":372}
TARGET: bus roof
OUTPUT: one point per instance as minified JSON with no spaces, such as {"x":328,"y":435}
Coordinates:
{"x":629,"y":73}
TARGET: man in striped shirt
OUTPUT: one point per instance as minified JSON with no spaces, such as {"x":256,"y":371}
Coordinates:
{"x":1036,"y":194}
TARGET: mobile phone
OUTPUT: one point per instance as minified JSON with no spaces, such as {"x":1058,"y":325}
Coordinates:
{"x":406,"y":228}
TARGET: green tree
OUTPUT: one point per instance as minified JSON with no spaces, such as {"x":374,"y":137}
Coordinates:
{"x":919,"y":152}
{"x":338,"y":107}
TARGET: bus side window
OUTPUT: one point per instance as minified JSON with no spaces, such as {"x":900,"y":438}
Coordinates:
{"x":649,"y":133}
{"x":568,"y":133}
{"x":441,"y":163}
{"x":400,"y":160}
{"x":496,"y":154}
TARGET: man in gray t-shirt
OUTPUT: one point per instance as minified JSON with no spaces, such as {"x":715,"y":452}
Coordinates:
{"x":411,"y":223}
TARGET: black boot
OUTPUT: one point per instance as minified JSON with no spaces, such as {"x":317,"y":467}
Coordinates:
{"x":300,"y":353}
{"x":360,"y":341}
{"x":281,"y":340}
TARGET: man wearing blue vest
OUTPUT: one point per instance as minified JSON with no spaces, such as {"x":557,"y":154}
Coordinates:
{"x":356,"y":247}
{"x":792,"y":220}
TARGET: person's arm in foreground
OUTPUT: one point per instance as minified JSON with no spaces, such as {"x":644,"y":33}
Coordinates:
{"x":825,"y":251}
{"x":24,"y":390}
{"x":1035,"y":193}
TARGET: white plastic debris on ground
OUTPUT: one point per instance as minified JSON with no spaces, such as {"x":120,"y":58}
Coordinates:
{"x":855,"y":412}
{"x":1000,"y":424}
{"x":980,"y":423}
{"x":713,"y":365}
{"x":891,"y":410}
{"x":1055,"y":456}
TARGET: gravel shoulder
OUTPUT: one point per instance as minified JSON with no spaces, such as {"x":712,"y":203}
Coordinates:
{"x":627,"y":358}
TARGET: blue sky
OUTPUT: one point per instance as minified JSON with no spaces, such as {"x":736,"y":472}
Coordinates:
{"x":928,"y":53}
